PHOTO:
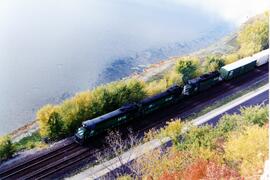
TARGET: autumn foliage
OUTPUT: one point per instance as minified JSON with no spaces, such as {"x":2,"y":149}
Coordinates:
{"x":235,"y":149}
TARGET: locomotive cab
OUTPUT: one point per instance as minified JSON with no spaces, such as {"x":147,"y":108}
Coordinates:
{"x":84,"y":132}
{"x":80,"y":135}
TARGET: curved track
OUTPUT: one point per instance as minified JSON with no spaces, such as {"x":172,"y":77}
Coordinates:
{"x":67,"y":157}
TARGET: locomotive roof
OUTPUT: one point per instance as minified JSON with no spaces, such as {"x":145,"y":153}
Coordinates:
{"x":204,"y":77}
{"x":114,"y":113}
{"x":169,"y":91}
{"x":239,"y":63}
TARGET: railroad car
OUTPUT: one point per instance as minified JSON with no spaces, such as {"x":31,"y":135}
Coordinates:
{"x":201,"y":83}
{"x":237,"y":68}
{"x":261,"y":57}
{"x":102,"y":123}
{"x":153,"y":103}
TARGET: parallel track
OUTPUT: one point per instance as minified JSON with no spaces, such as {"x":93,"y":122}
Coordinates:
{"x":68,"y":156}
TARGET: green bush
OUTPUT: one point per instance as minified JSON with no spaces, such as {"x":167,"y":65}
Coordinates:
{"x":187,"y":67}
{"x":213,"y":63}
{"x":29,"y":142}
{"x":255,"y":114}
{"x":228,"y":123}
{"x":7,"y":148}
{"x":198,"y":137}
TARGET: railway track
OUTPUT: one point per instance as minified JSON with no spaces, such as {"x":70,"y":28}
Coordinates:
{"x":59,"y":160}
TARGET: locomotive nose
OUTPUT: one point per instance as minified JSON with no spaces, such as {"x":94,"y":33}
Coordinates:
{"x":78,"y":140}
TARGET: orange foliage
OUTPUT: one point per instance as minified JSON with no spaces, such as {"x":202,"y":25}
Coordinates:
{"x":170,"y":176}
{"x":202,"y":170}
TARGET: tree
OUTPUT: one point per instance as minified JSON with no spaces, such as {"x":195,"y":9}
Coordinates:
{"x":43,"y":116}
{"x":55,"y":124}
{"x":213,"y":63}
{"x":7,"y":149}
{"x":187,"y":67}
{"x":254,"y":36}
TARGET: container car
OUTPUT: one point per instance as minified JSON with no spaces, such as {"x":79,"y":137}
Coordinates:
{"x":153,"y":103}
{"x":201,"y":83}
{"x":237,"y":68}
{"x":261,"y":57}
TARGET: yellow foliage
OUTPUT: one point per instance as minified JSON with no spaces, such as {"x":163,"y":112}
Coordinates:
{"x":150,"y":135}
{"x":173,"y":130}
{"x":157,"y":162}
{"x":173,"y":77}
{"x":249,"y":149}
{"x":156,"y":87}
{"x":230,"y":58}
{"x":206,"y":154}
{"x":255,"y":36}
{"x":43,"y":116}
{"x":125,"y":178}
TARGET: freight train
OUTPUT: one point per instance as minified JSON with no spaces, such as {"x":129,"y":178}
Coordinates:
{"x":174,"y":94}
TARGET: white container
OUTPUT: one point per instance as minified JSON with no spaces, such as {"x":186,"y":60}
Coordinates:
{"x":262,"y":57}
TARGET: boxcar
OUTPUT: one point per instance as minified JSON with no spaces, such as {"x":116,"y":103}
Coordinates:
{"x":170,"y":96}
{"x":201,"y":83}
{"x":237,"y":68}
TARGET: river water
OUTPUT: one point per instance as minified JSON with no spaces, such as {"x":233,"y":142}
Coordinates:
{"x":50,"y":50}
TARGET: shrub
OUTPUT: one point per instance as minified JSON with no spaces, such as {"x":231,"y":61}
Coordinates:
{"x":202,"y":169}
{"x":43,"y":116}
{"x":157,"y":162}
{"x":156,"y":87}
{"x":172,"y":78}
{"x":255,"y":114}
{"x":229,"y":123}
{"x":127,"y":177}
{"x":230,"y":58}
{"x":187,"y":67}
{"x":29,"y":142}
{"x":7,"y":148}
{"x":172,"y":130}
{"x":248,"y":149}
{"x":197,"y":137}
{"x":213,"y":63}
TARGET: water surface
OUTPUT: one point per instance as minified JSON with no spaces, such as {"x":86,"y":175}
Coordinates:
{"x":51,"y":49}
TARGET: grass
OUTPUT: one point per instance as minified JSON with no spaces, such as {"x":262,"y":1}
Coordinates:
{"x":30,"y":142}
{"x":226,"y":100}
